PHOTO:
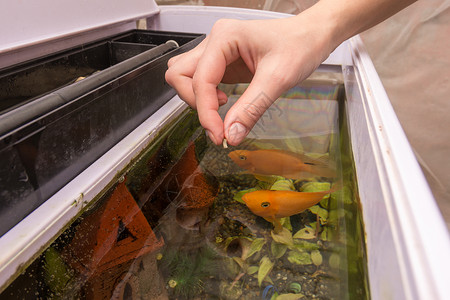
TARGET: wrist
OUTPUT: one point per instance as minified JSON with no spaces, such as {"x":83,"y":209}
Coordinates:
{"x":321,"y":23}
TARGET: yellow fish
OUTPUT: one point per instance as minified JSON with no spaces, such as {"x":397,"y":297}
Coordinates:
{"x":273,"y":205}
{"x":281,"y":163}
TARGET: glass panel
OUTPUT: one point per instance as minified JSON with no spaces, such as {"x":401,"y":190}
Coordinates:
{"x":190,"y":220}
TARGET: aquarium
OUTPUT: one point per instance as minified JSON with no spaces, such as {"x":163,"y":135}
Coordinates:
{"x":191,"y":220}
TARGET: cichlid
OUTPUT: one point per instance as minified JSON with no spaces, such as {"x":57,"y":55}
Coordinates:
{"x":281,"y":163}
{"x":273,"y":205}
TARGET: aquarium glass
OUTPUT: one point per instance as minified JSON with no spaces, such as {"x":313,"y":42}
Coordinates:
{"x":274,"y":218}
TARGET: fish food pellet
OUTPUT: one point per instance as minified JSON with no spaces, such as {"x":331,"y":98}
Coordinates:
{"x":224,"y":143}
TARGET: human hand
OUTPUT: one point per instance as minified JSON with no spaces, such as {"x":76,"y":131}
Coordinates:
{"x":273,"y":55}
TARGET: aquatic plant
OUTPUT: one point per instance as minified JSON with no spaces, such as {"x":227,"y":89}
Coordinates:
{"x":265,"y":266}
{"x":56,"y":273}
{"x":247,"y":248}
{"x":186,"y":271}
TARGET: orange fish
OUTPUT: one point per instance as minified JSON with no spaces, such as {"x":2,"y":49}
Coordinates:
{"x":273,"y":205}
{"x":281,"y":163}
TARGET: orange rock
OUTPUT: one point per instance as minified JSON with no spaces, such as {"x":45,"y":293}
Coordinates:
{"x":195,"y":191}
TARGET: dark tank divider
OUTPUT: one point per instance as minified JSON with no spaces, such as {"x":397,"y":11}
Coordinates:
{"x":62,"y":112}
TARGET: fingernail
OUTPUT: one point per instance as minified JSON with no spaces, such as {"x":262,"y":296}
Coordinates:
{"x":236,"y":133}
{"x":211,"y":136}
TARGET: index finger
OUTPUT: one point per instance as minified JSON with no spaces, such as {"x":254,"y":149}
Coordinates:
{"x":209,"y":73}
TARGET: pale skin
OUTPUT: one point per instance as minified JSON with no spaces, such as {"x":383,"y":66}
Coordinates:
{"x":271,"y":55}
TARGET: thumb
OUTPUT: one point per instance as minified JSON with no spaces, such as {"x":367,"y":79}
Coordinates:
{"x":243,"y":115}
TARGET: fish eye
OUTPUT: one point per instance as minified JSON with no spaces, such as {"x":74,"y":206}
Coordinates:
{"x":242,"y":157}
{"x":265,"y":204}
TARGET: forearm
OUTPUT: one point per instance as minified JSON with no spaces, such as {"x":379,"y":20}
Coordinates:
{"x":346,"y":18}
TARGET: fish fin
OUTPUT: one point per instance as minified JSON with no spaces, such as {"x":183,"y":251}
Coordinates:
{"x":316,"y":170}
{"x":320,"y":166}
{"x":268,"y":219}
{"x":276,"y":223}
{"x":324,"y":171}
{"x":323,"y":160}
{"x":302,"y":175}
{"x":316,"y":159}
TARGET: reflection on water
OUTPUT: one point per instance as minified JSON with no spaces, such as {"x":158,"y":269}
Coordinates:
{"x":178,"y":226}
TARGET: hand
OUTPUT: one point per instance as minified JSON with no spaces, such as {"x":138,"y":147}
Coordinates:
{"x":273,"y":55}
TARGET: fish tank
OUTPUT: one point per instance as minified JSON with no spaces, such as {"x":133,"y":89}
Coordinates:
{"x":187,"y":219}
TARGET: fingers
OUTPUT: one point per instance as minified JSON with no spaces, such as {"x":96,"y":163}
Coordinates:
{"x":181,"y":69}
{"x":205,"y":81}
{"x":267,"y":85}
{"x":230,"y":56}
{"x":196,"y":83}
{"x":218,"y":54}
{"x":179,"y":77}
{"x":269,"y":53}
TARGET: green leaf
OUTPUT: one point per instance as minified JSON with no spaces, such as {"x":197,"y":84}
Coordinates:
{"x":316,"y":257}
{"x":299,"y":258}
{"x":265,"y":266}
{"x":322,"y":213}
{"x":334,"y":260}
{"x":283,"y":185}
{"x":324,"y":235}
{"x":347,"y":195}
{"x":324,"y":202}
{"x":256,"y":246}
{"x":304,"y":245}
{"x":240,"y":262}
{"x":333,"y":217}
{"x":266,"y":181}
{"x":238,"y":196}
{"x":289,"y":296}
{"x":283,"y":237}
{"x":278,"y":250}
{"x":315,"y":187}
{"x":232,"y":266}
{"x":252,"y":270}
{"x":286,"y":222}
{"x":263,"y":185}
{"x":306,"y":233}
